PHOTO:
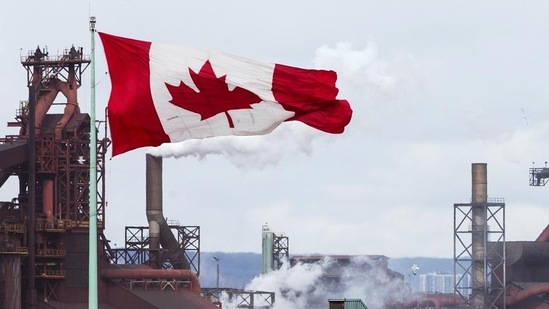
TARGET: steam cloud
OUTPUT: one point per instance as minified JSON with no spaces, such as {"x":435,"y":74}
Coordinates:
{"x":245,"y":152}
{"x":307,"y":286}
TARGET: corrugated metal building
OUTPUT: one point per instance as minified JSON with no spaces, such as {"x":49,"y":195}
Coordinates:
{"x":346,"y":304}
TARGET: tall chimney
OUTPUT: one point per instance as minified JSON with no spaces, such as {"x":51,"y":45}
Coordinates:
{"x":159,"y":230}
{"x":153,"y":177}
{"x":479,"y":232}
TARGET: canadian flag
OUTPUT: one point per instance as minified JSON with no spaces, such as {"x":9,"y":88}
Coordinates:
{"x":165,"y":93}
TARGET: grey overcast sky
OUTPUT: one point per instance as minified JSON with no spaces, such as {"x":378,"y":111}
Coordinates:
{"x":434,"y":85}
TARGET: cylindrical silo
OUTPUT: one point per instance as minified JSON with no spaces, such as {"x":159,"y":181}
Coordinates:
{"x":267,"y":250}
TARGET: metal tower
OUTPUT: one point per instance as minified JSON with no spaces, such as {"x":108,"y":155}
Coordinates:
{"x":479,"y":246}
{"x":47,"y":223}
{"x":275,"y":249}
{"x":280,"y":250}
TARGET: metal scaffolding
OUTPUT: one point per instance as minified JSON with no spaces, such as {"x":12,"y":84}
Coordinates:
{"x":53,"y":171}
{"x":490,"y":286}
{"x":281,"y":251}
{"x":241,"y":298}
{"x":137,"y":251}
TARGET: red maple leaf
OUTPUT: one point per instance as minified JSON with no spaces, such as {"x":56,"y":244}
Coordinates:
{"x":213,"y":96}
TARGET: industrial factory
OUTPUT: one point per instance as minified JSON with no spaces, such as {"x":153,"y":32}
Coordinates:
{"x":44,"y":252}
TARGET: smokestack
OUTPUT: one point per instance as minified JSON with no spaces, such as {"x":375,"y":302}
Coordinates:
{"x":479,"y":186}
{"x":159,"y":231}
{"x":153,"y":175}
{"x":479,"y":233}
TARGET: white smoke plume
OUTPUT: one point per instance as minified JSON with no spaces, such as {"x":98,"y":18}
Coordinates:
{"x":248,"y":152}
{"x":310,"y":286}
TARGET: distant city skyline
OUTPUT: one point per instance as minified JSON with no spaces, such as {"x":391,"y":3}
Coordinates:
{"x":436,"y":282}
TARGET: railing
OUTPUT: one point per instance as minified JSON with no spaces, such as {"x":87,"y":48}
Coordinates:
{"x":57,"y":58}
{"x":242,"y":298}
{"x":162,"y":285}
{"x":51,"y":253}
{"x":496,"y":200}
{"x":60,"y":225}
{"x":51,"y":274}
{"x":14,"y":228}
{"x":17,"y":251}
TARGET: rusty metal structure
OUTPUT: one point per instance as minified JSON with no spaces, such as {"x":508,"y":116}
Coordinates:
{"x":44,"y":227}
{"x":50,"y":157}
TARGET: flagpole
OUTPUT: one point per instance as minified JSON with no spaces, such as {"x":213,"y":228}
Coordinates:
{"x":92,"y":269}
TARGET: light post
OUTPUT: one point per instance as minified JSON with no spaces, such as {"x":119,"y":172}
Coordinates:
{"x":217,"y":279}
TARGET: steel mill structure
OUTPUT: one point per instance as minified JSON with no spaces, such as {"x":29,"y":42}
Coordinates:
{"x":479,"y":237}
{"x":44,"y":227}
{"x":274,"y":249}
{"x":504,"y":274}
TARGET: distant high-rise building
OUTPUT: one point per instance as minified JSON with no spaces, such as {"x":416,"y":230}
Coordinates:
{"x":439,"y":283}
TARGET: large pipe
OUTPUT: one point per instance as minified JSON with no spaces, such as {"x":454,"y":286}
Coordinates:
{"x":44,"y":102}
{"x":479,"y":200}
{"x":153,"y":175}
{"x":438,"y":301}
{"x":69,"y":90}
{"x":47,"y":199}
{"x":159,"y":231}
{"x":153,"y":274}
{"x":532,"y":291}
